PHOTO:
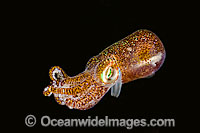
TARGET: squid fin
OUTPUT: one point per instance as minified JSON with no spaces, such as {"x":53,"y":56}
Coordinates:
{"x":150,"y":76}
{"x":116,"y":88}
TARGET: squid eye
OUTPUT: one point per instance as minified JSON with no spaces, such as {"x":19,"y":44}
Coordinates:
{"x":109,"y":75}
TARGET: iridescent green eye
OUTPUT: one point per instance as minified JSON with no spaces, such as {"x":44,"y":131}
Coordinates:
{"x":109,"y":73}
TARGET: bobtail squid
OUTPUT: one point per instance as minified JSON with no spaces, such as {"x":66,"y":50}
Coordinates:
{"x":136,"y":56}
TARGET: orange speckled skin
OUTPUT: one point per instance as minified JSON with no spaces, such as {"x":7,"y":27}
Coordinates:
{"x":136,"y":48}
{"x":138,"y":55}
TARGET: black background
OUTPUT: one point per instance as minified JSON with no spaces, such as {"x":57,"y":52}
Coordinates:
{"x":68,"y":35}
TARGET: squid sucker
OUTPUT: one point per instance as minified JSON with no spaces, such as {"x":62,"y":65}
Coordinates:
{"x":136,"y":56}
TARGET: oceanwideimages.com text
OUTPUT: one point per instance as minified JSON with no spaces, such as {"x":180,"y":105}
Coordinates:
{"x":47,"y":121}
